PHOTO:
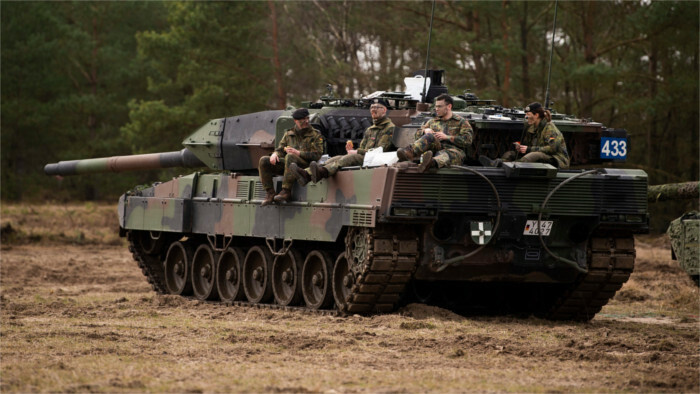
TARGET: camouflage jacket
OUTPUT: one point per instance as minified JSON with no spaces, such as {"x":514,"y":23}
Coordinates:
{"x":546,"y":138}
{"x":457,"y":127}
{"x":308,"y":141}
{"x":379,"y":134}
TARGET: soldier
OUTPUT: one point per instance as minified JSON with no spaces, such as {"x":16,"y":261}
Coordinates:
{"x":543,"y":142}
{"x":443,"y":140}
{"x":379,"y":134}
{"x":300,"y":145}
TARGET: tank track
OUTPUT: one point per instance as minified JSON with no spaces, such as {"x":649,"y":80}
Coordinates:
{"x":389,"y":264}
{"x":151,"y":266}
{"x":611,"y":261}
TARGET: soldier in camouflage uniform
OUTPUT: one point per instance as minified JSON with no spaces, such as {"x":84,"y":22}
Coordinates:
{"x":300,"y":145}
{"x":442,"y":141}
{"x":380,"y":134}
{"x":542,"y":142}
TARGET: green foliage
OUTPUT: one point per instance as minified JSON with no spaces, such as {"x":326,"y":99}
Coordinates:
{"x":68,"y":70}
{"x":208,"y":63}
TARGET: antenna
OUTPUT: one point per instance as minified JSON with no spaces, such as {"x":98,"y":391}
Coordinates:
{"x":427,"y":57}
{"x":551,"y":52}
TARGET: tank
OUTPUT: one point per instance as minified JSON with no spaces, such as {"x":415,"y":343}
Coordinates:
{"x":684,"y":232}
{"x":524,"y":237}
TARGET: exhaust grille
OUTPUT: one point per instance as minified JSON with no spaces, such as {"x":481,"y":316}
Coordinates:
{"x":243,"y":189}
{"x":471,"y":194}
{"x":363,"y":218}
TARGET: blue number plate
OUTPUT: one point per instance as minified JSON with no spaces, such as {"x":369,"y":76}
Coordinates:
{"x":613,"y":148}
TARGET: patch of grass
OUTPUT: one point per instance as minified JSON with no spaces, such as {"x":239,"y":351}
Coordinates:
{"x":77,"y":224}
{"x":417,"y":325}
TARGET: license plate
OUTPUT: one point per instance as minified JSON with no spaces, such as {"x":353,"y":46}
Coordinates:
{"x":531,"y":227}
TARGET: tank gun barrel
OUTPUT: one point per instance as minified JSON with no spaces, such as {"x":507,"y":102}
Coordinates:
{"x":148,"y":161}
{"x":673,"y":191}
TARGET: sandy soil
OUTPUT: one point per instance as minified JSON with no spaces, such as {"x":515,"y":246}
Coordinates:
{"x":81,"y":317}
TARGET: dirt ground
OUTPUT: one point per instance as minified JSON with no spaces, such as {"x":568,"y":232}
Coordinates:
{"x":78,"y":316}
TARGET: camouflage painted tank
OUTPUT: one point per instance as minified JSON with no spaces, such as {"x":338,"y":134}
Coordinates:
{"x":684,"y":233}
{"x":523,"y":237}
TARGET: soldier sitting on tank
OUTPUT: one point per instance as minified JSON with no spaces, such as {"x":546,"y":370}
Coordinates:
{"x":442,"y":141}
{"x":380,"y":134}
{"x":300,"y":145}
{"x":542,"y":142}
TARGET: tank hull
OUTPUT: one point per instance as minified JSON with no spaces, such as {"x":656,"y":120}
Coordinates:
{"x":373,"y":236}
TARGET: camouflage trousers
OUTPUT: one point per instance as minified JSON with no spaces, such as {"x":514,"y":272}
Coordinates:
{"x":267,"y":170}
{"x":337,"y":162}
{"x":532,"y":157}
{"x":444,"y":157}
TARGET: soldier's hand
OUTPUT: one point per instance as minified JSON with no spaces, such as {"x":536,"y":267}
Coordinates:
{"x":274,"y":159}
{"x":428,"y":131}
{"x":522,"y":148}
{"x":441,"y":136}
{"x":352,"y":151}
{"x":291,"y":150}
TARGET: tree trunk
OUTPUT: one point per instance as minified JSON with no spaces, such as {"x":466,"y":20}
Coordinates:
{"x":523,"y":58}
{"x":505,"y":28}
{"x":588,"y":27}
{"x":651,"y":130}
{"x":281,"y":95}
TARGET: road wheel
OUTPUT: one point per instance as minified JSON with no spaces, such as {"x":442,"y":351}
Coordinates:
{"x":285,"y":278}
{"x":177,"y":262}
{"x":203,"y":264}
{"x":256,"y":275}
{"x":316,"y":280}
{"x":228,"y":275}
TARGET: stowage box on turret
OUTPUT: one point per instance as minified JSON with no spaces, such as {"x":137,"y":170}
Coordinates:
{"x":522,"y":237}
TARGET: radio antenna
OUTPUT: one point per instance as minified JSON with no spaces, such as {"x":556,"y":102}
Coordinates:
{"x":551,"y":52}
{"x":427,"y":57}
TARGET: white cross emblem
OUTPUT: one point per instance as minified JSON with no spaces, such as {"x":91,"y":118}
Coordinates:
{"x":480,"y":234}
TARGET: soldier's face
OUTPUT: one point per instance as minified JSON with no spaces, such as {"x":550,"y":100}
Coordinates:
{"x":377,"y":111}
{"x":302,"y":123}
{"x":532,"y":118}
{"x":442,"y":108}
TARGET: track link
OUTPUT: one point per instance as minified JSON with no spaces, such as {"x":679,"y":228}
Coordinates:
{"x":611,"y":261}
{"x":389,"y":265}
{"x":151,"y":266}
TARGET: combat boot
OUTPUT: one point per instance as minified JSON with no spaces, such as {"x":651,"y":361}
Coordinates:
{"x":284,"y":196}
{"x":427,"y":162}
{"x":268,"y":198}
{"x":405,"y":154}
{"x":302,"y":176}
{"x":318,"y":172}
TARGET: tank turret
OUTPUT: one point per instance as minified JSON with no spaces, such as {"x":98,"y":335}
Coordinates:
{"x":235,"y":143}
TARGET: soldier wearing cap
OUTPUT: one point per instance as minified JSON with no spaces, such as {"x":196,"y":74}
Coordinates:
{"x":300,"y":145}
{"x":542,"y":141}
{"x":379,"y":134}
{"x":442,"y":141}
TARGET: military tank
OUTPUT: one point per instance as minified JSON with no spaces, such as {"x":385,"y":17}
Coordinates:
{"x":524,"y":237}
{"x":684,"y":231}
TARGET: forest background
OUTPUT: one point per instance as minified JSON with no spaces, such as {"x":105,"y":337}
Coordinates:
{"x":94,"y":79}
